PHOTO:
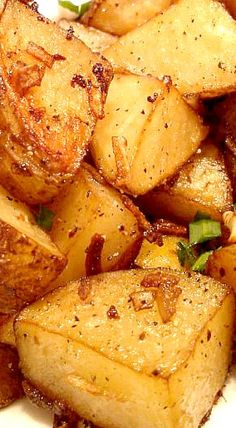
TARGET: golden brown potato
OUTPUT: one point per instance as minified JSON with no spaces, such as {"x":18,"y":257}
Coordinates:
{"x":138,"y":158}
{"x":28,"y":258}
{"x":221,"y":265}
{"x":10,"y":377}
{"x":96,"y":229}
{"x":151,"y":255}
{"x":6,"y":330}
{"x":131,"y":348}
{"x":202,"y":185}
{"x":231,"y":6}
{"x":95,"y":39}
{"x":50,"y":100}
{"x":120,"y":17}
{"x":193,"y":42}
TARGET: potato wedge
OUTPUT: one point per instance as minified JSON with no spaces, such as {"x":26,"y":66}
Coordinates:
{"x":138,"y":158}
{"x":10,"y":376}
{"x":131,"y":349}
{"x":194,"y":189}
{"x":120,"y":17}
{"x":193,"y":42}
{"x":50,"y":100}
{"x":221,"y":265}
{"x":151,"y":255}
{"x":94,"y":227}
{"x":95,"y":39}
{"x":28,"y":258}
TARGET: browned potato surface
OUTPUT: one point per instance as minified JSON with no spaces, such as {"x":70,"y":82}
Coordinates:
{"x":193,"y":42}
{"x":121,"y":16}
{"x":137,"y":145}
{"x":95,"y":39}
{"x":202,"y":185}
{"x":10,"y":377}
{"x":94,"y":227}
{"x":231,"y":6}
{"x":131,"y":349}
{"x":28,"y":258}
{"x":50,"y":101}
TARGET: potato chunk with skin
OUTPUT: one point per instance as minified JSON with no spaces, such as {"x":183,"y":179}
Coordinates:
{"x":28,"y":258}
{"x":101,"y":346}
{"x":221,"y":265}
{"x":93,"y":227}
{"x":138,"y":158}
{"x":95,"y":39}
{"x":194,"y":189}
{"x":50,"y":100}
{"x":193,"y":42}
{"x":120,"y":17}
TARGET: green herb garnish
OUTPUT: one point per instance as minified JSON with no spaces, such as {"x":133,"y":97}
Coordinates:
{"x":200,"y":263}
{"x":79,"y":10}
{"x":203,"y":230}
{"x":44,"y":218}
{"x":185,"y":254}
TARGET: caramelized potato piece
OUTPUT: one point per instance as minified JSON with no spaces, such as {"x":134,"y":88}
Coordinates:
{"x":221,"y":265}
{"x":95,"y":39}
{"x":120,"y":17}
{"x":202,"y":185}
{"x":7,"y":335}
{"x":151,"y":255}
{"x":94,"y":227}
{"x":231,"y":6}
{"x":131,"y":348}
{"x":10,"y":377}
{"x":138,"y":158}
{"x":28,"y":258}
{"x":193,"y":42}
{"x":50,"y":100}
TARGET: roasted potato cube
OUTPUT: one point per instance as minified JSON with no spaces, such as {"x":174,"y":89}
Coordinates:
{"x":221,"y":265}
{"x":10,"y":376}
{"x":50,"y":101}
{"x":138,"y":158}
{"x":95,"y":39}
{"x":131,"y":348}
{"x":151,"y":255}
{"x":122,"y":16}
{"x":7,"y":335}
{"x":202,"y":185}
{"x":193,"y":42}
{"x":94,"y":227}
{"x":28,"y":258}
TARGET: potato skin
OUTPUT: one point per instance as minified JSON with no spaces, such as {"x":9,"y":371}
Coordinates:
{"x":44,"y":136}
{"x":26,"y":269}
{"x":10,"y":376}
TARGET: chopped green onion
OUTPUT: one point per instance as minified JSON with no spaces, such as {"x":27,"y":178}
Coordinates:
{"x":185,"y":254}
{"x":79,"y":10}
{"x":200,"y":263}
{"x":203,"y":230}
{"x":201,"y":215}
{"x":44,"y":218}
{"x":234,"y":205}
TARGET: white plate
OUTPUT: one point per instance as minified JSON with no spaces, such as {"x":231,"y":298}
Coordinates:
{"x":24,"y":415}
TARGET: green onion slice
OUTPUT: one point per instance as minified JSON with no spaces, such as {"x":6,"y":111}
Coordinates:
{"x":185,"y":254}
{"x":44,"y":218}
{"x":79,"y":10}
{"x":203,"y":230}
{"x":200,"y":263}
